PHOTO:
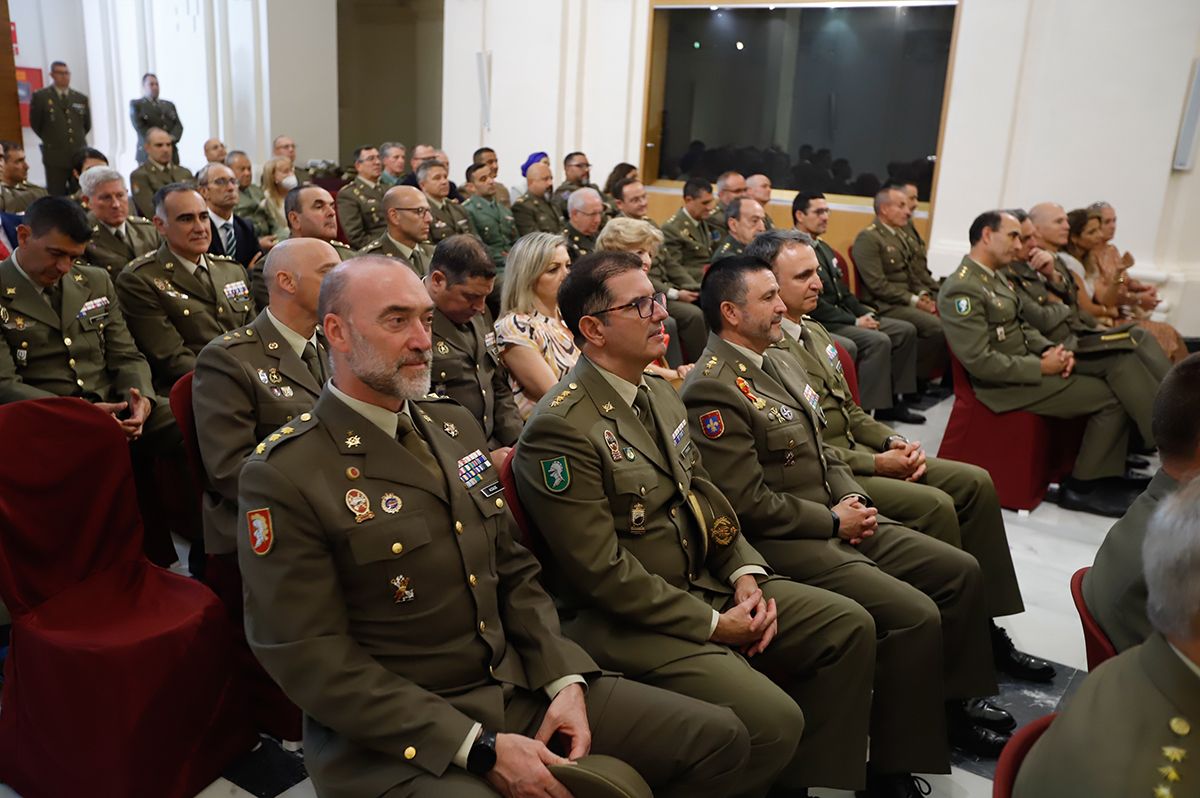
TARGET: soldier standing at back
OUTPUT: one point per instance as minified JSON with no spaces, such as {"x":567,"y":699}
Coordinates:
{"x":61,"y":118}
{"x":149,"y":112}
{"x":689,"y":238}
{"x":360,"y":204}
{"x":893,"y":284}
{"x":532,"y":212}
{"x":16,"y":193}
{"x":448,"y":216}
{"x":158,"y":171}
{"x":117,"y":237}
{"x":493,"y":221}
{"x":178,"y":298}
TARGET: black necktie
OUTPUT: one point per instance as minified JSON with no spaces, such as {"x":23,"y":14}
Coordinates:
{"x":53,"y":295}
{"x":641,"y":406}
{"x":410,"y":439}
{"x":313,"y":361}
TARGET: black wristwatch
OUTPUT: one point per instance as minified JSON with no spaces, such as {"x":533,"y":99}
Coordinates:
{"x":837,"y":524}
{"x":483,"y":754}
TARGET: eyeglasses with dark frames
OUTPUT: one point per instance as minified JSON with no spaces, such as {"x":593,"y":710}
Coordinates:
{"x":643,"y":304}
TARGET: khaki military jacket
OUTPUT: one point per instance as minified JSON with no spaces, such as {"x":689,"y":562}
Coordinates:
{"x":62,"y":125}
{"x":1040,"y":306}
{"x":258,"y":286}
{"x":248,"y":383}
{"x":534,"y":214}
{"x":494,"y":224}
{"x":391,"y":605}
{"x":503,"y":195}
{"x":147,"y":179}
{"x":249,"y":198}
{"x":852,"y":432}
{"x":691,"y":243}
{"x":384,"y":245}
{"x":85,"y":350}
{"x":1114,"y":588}
{"x":145,"y":113}
{"x":786,"y":491}
{"x":886,"y":267}
{"x":567,"y":187}
{"x":360,"y":211}
{"x":448,"y":220}
{"x":729,"y":247}
{"x":172,"y":315}
{"x":665,"y":270}
{"x":467,"y":368}
{"x":578,"y":244}
{"x":837,"y":303}
{"x":15,"y":199}
{"x":919,"y":262}
{"x":643,"y":544}
{"x":105,"y":251}
{"x":1001,"y":352}
{"x":1128,"y":731}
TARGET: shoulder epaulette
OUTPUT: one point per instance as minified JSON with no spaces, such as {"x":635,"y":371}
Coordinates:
{"x":139,"y":220}
{"x":290,"y":431}
{"x":566,"y":397}
{"x":369,"y":246}
{"x":142,"y":260}
{"x":222,"y":257}
{"x":341,"y":244}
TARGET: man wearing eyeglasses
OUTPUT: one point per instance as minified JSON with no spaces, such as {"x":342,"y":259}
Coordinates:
{"x":650,"y":555}
{"x":231,"y":234}
{"x":406,"y":237}
{"x":360,"y":204}
{"x":577,"y":174}
{"x":585,"y":211}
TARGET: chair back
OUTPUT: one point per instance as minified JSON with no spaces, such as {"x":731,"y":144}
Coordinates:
{"x":185,"y":417}
{"x":1095,"y":642}
{"x":1014,"y":754}
{"x":849,"y":370}
{"x":962,"y":380}
{"x":529,"y":536}
{"x":69,"y":507}
{"x":849,"y":273}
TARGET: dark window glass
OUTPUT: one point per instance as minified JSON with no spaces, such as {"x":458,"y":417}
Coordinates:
{"x":829,"y":99}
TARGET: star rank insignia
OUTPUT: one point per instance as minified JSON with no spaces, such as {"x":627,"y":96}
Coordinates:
{"x":352,"y":440}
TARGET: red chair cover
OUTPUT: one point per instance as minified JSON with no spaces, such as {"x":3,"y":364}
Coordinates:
{"x":118,"y":681}
{"x":270,"y":709}
{"x":1095,"y":642}
{"x":849,"y":274}
{"x":529,"y":536}
{"x":1022,"y":451}
{"x":849,"y":370}
{"x":1014,"y":754}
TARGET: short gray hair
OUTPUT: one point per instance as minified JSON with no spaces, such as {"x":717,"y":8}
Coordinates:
{"x":388,"y":146}
{"x":426,"y":167}
{"x":93,"y":178}
{"x":767,"y":246}
{"x":581,"y":195}
{"x":1171,"y":562}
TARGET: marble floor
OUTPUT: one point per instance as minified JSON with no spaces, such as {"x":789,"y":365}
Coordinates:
{"x":1048,"y":545}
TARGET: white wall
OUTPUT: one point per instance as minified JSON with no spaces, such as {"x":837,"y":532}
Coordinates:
{"x":565,"y":76}
{"x":241,"y":70}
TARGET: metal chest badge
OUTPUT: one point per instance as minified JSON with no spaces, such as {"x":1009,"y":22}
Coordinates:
{"x":758,"y":402}
{"x":471,"y":468}
{"x":614,"y":449}
{"x":637,"y":517}
{"x":391,"y":503}
{"x":403,"y":587}
{"x":359,"y":504}
{"x":263,"y":378}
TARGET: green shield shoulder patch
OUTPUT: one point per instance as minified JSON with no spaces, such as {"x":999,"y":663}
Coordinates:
{"x":556,"y":474}
{"x":963,"y":305}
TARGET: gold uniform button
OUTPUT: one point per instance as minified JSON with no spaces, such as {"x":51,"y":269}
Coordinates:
{"x":306,"y":416}
{"x":410,"y":753}
{"x":492,"y":671}
{"x":443,"y":375}
{"x":680,"y":484}
{"x":642,"y":490}
{"x":1180,"y":726}
{"x":67,"y":341}
{"x":482,"y":626}
{"x":397,"y":548}
{"x":71,"y":362}
{"x":458,"y":527}
{"x":80,"y":383}
{"x":685,"y":543}
{"x":472,"y":580}
{"x":673,"y":512}
{"x":187,"y":312}
{"x":500,"y":503}
{"x":572,"y":386}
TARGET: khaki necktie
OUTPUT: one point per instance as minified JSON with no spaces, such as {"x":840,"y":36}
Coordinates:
{"x":205,"y":279}
{"x":641,"y":406}
{"x":313,"y":361}
{"x":410,"y":439}
{"x":418,"y":260}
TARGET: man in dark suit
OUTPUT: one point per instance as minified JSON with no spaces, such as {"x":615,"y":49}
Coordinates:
{"x":232,"y":235}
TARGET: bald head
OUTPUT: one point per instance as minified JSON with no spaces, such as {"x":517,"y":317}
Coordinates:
{"x":758,"y":188}
{"x":214,"y":151}
{"x":407,"y":210}
{"x":1050,"y":225}
{"x":293,"y":271}
{"x":539,"y":178}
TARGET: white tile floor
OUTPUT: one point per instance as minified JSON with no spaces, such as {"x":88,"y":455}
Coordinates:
{"x":1048,"y":546}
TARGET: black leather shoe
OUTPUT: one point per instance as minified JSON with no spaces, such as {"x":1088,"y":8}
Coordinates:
{"x":899,"y":412}
{"x":1133,"y":461}
{"x":985,"y":713}
{"x":1090,"y":498}
{"x":1134,"y":480}
{"x":1018,"y":664}
{"x":970,"y":737}
{"x":893,"y":785}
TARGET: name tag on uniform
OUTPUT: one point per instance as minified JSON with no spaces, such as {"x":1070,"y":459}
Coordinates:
{"x":489,"y":339}
{"x":236,"y":290}
{"x":1000,"y":332}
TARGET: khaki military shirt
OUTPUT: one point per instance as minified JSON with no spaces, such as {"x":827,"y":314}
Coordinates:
{"x":61,"y":123}
{"x":467,"y":368}
{"x":85,"y":350}
{"x":690,"y":242}
{"x":15,"y":199}
{"x":449,"y":219}
{"x":578,"y":244}
{"x":563,"y":193}
{"x":885,"y":262}
{"x":730,"y":246}
{"x":360,"y":211}
{"x":138,"y":236}
{"x":418,"y":258}
{"x":494,"y":224}
{"x":390,"y":603}
{"x":643,"y":544}
{"x":534,"y":214}
{"x":147,"y":179}
{"x":1040,"y":306}
{"x":837,"y":303}
{"x":249,"y":382}
{"x":172,"y":315}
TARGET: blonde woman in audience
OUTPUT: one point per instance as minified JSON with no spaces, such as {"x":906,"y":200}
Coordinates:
{"x":643,"y":239}
{"x":278,"y":178}
{"x":535,"y":345}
